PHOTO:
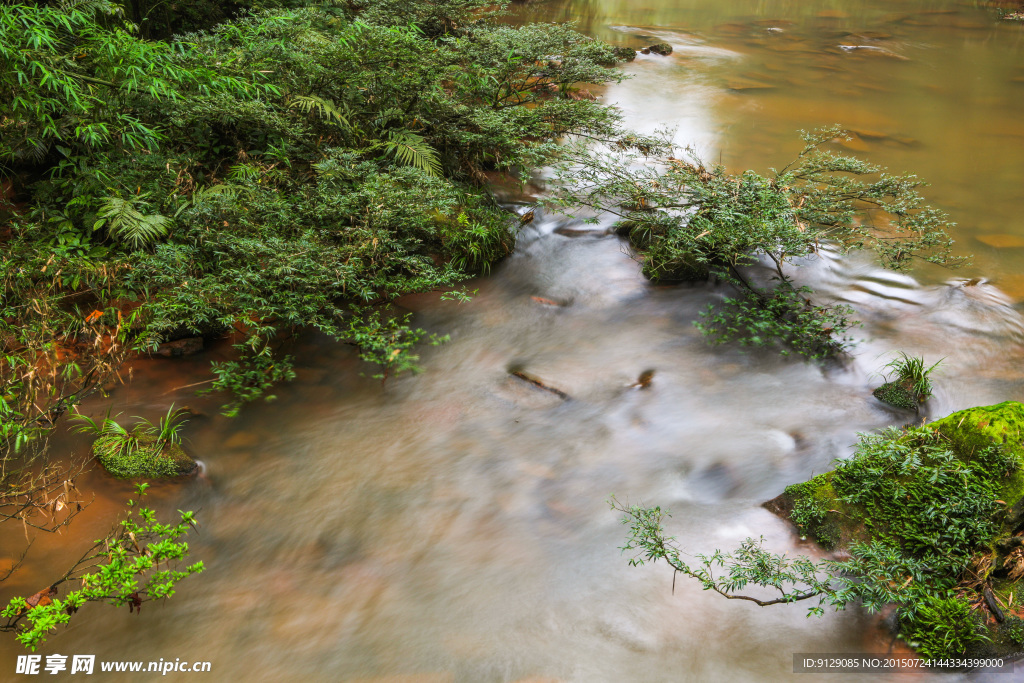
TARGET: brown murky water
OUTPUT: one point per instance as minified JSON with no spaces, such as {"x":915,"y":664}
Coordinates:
{"x":452,"y":526}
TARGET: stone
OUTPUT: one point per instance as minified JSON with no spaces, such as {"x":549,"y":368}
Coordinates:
{"x":180,"y":347}
{"x":662,"y":49}
{"x":141,"y":456}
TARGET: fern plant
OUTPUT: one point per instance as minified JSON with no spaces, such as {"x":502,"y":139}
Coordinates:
{"x":410,"y":149}
{"x":125,"y":223}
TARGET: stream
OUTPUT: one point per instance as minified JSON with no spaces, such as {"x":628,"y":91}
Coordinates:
{"x":453,"y":525}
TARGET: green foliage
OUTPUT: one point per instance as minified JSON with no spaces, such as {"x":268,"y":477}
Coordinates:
{"x":308,"y":160}
{"x":689,"y":220}
{"x":134,"y":564}
{"x":943,"y":627}
{"x":127,"y":224}
{"x":919,"y":495}
{"x":388,"y":342}
{"x":793,"y":580}
{"x":1013,"y":629}
{"x":780,"y":318}
{"x":168,"y":428}
{"x":917,"y":512}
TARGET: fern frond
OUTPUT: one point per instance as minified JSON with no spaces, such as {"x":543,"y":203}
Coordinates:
{"x":127,"y":224}
{"x":411,"y":149}
{"x":325,"y":109}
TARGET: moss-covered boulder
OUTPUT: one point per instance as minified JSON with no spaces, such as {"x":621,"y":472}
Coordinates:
{"x":949,"y":496}
{"x":140,"y":455}
{"x":897,"y":395}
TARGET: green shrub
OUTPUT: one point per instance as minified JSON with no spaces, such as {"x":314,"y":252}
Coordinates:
{"x":943,"y":627}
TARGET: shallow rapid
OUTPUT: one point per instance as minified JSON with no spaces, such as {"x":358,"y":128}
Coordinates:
{"x":453,"y":525}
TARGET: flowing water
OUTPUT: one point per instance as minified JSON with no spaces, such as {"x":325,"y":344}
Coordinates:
{"x":452,"y":526}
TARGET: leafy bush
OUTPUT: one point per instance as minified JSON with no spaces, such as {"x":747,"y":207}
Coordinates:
{"x":132,"y":565}
{"x":943,"y":627}
{"x":689,"y":221}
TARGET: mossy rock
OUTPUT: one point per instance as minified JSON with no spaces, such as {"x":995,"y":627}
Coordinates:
{"x":141,"y":456}
{"x":661,"y":49}
{"x":973,"y":518}
{"x":896,"y":395}
{"x":976,"y":428}
{"x":625,"y":54}
{"x":818,"y":514}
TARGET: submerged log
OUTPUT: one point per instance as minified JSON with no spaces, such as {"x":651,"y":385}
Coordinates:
{"x":539,"y":384}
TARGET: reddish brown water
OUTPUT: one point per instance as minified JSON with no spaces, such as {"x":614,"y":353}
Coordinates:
{"x":452,"y":526}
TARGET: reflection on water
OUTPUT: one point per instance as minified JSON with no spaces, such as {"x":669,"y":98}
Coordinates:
{"x":934,"y":88}
{"x":452,"y":526}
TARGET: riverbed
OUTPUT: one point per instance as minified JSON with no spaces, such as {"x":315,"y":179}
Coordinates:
{"x":453,"y":526}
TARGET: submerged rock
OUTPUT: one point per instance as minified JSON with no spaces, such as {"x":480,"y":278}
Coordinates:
{"x":180,"y":347}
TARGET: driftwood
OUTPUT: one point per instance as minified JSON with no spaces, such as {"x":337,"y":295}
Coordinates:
{"x":539,"y":384}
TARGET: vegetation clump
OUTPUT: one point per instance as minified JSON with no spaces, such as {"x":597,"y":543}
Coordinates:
{"x":908,"y":382}
{"x":690,"y":221}
{"x":928,"y":518}
{"x":147,"y":451}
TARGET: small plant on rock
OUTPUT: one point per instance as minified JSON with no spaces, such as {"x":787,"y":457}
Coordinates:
{"x":907,"y":382}
{"x":147,"y":450}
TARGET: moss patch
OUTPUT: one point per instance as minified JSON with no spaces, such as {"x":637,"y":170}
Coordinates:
{"x":896,"y":395}
{"x":140,"y":455}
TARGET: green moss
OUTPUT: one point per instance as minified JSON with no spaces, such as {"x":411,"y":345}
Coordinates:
{"x":816,"y":510}
{"x":1011,"y":632}
{"x":974,"y":429}
{"x":896,"y":395}
{"x":141,"y":455}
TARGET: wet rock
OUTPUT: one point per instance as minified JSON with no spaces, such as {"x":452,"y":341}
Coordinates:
{"x":142,"y":456}
{"x":576,"y":232}
{"x":873,"y":50}
{"x":1010,"y":543}
{"x":625,"y":54}
{"x":180,"y":347}
{"x":662,"y":49}
{"x":644,"y":381}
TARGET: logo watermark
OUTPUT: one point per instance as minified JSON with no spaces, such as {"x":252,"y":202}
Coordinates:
{"x":86,"y":664}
